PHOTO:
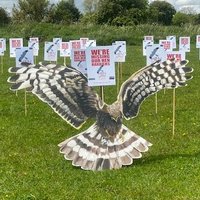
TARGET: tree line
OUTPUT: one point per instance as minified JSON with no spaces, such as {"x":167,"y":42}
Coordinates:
{"x":110,"y":12}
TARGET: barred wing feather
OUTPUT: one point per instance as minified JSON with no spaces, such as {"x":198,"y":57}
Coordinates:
{"x":148,"y":81}
{"x":63,"y":88}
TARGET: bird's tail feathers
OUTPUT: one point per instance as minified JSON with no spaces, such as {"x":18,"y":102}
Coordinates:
{"x":91,"y":151}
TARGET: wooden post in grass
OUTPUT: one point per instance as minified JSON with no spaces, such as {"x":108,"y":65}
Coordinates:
{"x":156,"y":103}
{"x":199,"y":54}
{"x":121,"y":74}
{"x":118,"y":76}
{"x":25,"y":103}
{"x":174,"y":112}
{"x":102,"y":93}
{"x":64,"y":61}
{"x":2,"y":64}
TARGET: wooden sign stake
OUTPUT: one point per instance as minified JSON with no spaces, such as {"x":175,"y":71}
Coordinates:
{"x":174,"y":112}
{"x":2,"y":64}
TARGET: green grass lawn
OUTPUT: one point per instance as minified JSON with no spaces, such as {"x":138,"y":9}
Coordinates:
{"x":31,"y":166}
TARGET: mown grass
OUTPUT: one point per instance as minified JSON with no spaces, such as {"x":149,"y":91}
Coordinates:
{"x":32,"y":168}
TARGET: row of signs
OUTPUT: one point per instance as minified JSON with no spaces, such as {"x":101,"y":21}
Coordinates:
{"x":165,"y":48}
{"x":96,"y":62}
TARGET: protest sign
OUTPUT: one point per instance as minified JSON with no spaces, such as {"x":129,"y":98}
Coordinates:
{"x":149,"y":38}
{"x":91,"y":43}
{"x":65,"y":49}
{"x":173,"y":39}
{"x":145,"y":44}
{"x":154,"y":53}
{"x":184,"y":44}
{"x":84,"y":42}
{"x":34,"y":44}
{"x":119,"y":48}
{"x":198,"y":41}
{"x":2,"y":47}
{"x":100,"y":66}
{"x":24,"y":54}
{"x":15,"y":43}
{"x":167,"y":44}
{"x":78,"y":60}
{"x":177,"y":55}
{"x":3,"y":44}
{"x":75,"y":44}
{"x":50,"y":51}
{"x":57,"y":42}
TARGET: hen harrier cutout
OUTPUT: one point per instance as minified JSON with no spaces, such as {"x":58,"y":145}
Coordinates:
{"x":107,"y":144}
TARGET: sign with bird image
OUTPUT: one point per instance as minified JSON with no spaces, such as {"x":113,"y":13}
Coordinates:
{"x":24,"y":55}
{"x":155,"y":53}
{"x":50,"y":51}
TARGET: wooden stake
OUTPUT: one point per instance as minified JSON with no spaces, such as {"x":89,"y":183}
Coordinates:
{"x":2,"y":64}
{"x":118,"y":76}
{"x":121,"y":69}
{"x":64,"y":61}
{"x":102,"y":93}
{"x":156,"y":103}
{"x":25,"y":103}
{"x":199,"y":54}
{"x":174,"y":112}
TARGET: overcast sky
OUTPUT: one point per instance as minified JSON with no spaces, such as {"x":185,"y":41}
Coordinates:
{"x":178,"y":4}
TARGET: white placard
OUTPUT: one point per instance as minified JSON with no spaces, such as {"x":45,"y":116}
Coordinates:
{"x":177,"y":55}
{"x":173,"y":39}
{"x":83,"y":42}
{"x":100,"y":66}
{"x":91,"y":43}
{"x":119,"y":48}
{"x":78,"y":60}
{"x":75,"y":44}
{"x":1,"y":48}
{"x":15,"y":43}
{"x":3,"y":42}
{"x":198,"y":41}
{"x":145,"y":44}
{"x":167,"y":44}
{"x":50,"y":51}
{"x":57,"y":41}
{"x":149,"y":38}
{"x":65,"y":50}
{"x":184,"y":44}
{"x":154,"y":53}
{"x":34,"y":44}
{"x":34,"y":41}
{"x":24,"y":54}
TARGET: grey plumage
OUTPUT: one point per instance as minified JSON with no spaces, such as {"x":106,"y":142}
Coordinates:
{"x":107,"y":144}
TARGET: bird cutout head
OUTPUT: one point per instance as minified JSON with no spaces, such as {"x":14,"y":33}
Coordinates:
{"x":107,"y":144}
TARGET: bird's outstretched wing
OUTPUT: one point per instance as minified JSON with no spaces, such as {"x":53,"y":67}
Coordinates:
{"x":63,"y":88}
{"x":148,"y":81}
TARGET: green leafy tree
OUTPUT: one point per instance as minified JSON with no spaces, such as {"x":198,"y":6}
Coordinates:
{"x":161,"y":12}
{"x":180,"y":19}
{"x":65,"y":12}
{"x":31,"y":10}
{"x":4,"y":17}
{"x":197,"y":19}
{"x":110,"y":11}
